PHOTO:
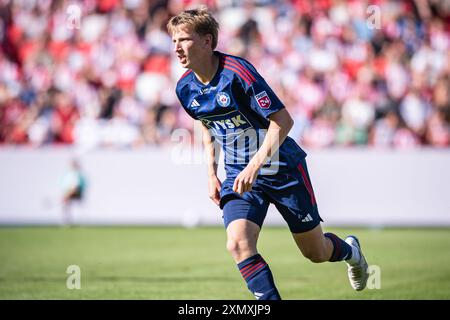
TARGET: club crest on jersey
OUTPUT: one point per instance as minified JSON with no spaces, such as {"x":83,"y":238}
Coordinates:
{"x":263,"y":100}
{"x":223,"y":99}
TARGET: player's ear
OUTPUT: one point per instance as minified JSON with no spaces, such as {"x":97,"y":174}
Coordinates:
{"x":208,"y":41}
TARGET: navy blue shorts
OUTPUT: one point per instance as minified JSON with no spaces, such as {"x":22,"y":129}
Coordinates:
{"x":296,"y":203}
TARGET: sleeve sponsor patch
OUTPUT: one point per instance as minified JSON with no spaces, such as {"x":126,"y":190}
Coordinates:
{"x":263,"y":100}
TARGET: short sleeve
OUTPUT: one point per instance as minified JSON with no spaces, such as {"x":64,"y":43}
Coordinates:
{"x":182,"y":97}
{"x":263,"y":100}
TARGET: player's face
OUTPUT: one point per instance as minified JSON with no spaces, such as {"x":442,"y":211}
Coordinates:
{"x":189,"y":47}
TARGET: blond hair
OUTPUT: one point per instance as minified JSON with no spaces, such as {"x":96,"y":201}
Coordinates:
{"x":200,"y":20}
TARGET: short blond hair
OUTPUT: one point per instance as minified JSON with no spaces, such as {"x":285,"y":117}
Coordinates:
{"x":200,"y":20}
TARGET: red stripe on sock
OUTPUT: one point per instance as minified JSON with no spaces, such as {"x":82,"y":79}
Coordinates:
{"x":253,"y":270}
{"x":251,"y":267}
{"x":337,"y":247}
{"x":244,"y":269}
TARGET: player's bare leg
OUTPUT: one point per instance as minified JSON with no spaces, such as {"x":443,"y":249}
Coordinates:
{"x":242,"y":236}
{"x":66,"y":212}
{"x":314,"y":245}
{"x":320,"y":247}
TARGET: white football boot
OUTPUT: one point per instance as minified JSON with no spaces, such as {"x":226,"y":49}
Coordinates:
{"x":357,"y":273}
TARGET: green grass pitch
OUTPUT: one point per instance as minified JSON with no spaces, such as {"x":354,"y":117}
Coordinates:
{"x":176,"y":263}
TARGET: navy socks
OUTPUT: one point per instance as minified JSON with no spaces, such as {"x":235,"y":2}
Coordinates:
{"x":341,"y":251}
{"x":257,"y":274}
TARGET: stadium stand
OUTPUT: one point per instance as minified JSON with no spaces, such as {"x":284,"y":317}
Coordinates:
{"x":109,"y":81}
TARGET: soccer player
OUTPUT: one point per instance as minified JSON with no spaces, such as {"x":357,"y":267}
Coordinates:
{"x":74,"y":186}
{"x":240,"y":113}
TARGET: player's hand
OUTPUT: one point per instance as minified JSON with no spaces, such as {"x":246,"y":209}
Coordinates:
{"x":244,"y":181}
{"x":214,"y":187}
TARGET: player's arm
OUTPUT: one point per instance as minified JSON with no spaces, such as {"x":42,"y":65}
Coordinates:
{"x":280,"y":124}
{"x":214,"y":184}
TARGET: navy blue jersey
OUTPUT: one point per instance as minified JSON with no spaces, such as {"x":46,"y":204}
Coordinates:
{"x":235,"y":106}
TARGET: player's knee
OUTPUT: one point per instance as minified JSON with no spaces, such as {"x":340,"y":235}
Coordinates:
{"x":239,"y":247}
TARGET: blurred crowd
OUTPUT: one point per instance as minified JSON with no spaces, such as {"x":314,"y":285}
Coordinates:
{"x":99,"y":73}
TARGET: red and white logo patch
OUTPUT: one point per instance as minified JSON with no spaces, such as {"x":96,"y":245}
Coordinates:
{"x":263,"y":100}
